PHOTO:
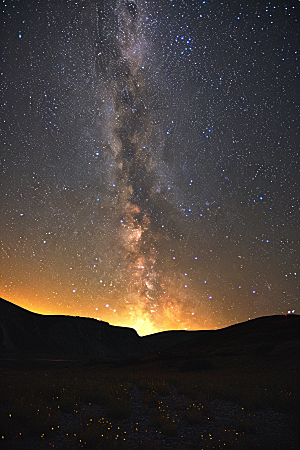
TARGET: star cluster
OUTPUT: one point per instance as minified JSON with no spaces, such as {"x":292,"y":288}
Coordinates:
{"x":150,"y":160}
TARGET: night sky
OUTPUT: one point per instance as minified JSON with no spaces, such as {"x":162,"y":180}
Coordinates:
{"x":150,"y":160}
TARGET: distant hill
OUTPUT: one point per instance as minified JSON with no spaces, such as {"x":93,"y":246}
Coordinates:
{"x":273,"y":338}
{"x":22,"y":331}
{"x":164,"y":340}
{"x":258,"y":334}
{"x":34,"y":335}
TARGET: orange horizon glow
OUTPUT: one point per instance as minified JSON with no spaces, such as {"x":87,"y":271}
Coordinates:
{"x":142,"y":325}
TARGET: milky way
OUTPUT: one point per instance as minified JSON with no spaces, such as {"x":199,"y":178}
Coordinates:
{"x":150,"y":160}
{"x":150,"y":295}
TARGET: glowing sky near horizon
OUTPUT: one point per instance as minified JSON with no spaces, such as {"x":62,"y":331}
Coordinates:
{"x":150,"y":160}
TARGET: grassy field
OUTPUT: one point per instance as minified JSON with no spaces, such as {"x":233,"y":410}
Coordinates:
{"x":89,"y":404}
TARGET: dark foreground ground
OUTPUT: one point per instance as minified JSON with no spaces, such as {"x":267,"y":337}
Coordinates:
{"x":237,"y":389}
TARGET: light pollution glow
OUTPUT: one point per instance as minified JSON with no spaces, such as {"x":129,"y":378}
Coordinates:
{"x":134,"y":319}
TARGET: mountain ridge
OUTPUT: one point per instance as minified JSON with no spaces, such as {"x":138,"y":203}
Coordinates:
{"x":31,"y":334}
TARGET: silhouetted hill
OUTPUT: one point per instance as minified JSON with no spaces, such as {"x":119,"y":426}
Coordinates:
{"x":22,"y":331}
{"x":26,"y":333}
{"x":164,"y":340}
{"x":255,"y":333}
{"x":264,"y":337}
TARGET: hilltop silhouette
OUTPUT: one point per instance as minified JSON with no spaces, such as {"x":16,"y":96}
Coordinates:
{"x":34,"y":335}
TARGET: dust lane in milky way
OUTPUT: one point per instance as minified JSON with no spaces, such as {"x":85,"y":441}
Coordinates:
{"x":149,"y":297}
{"x":149,"y":158}
{"x":130,"y":130}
